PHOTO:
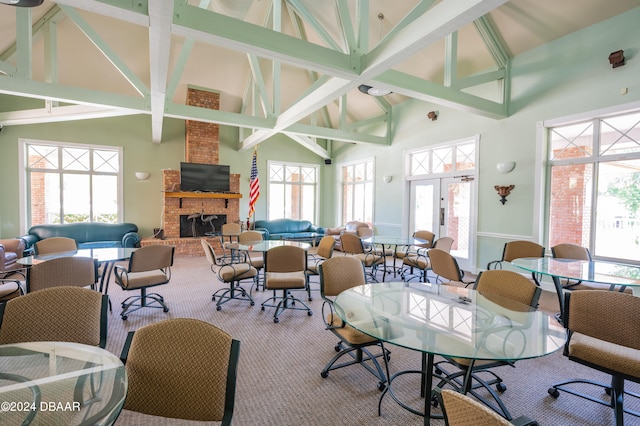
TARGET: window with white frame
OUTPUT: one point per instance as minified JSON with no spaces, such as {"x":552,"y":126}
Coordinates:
{"x":357,"y":192}
{"x":292,"y":191}
{"x":68,"y":183}
{"x":443,"y":159}
{"x":594,"y":185}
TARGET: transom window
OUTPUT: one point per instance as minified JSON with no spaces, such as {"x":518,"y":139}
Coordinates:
{"x":68,"y":183}
{"x":292,"y":191}
{"x":437,"y":160}
{"x":595,"y":185}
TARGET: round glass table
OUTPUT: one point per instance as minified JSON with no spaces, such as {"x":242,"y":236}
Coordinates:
{"x":60,"y":383}
{"x":450,"y":321}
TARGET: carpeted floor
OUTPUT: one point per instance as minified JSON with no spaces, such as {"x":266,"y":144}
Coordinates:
{"x":279,"y":379}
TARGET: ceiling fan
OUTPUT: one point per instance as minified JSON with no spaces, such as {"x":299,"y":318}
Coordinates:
{"x":373,"y":91}
{"x":22,"y":3}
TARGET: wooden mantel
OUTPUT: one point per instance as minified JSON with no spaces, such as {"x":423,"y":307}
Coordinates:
{"x":190,"y":194}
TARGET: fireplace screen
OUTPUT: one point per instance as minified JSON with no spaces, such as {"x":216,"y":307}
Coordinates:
{"x":201,"y":224}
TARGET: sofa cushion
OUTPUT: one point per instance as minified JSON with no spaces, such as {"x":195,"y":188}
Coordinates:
{"x":88,"y":234}
{"x":287,"y":228}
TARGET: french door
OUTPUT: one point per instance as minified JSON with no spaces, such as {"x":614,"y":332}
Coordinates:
{"x":446,"y":207}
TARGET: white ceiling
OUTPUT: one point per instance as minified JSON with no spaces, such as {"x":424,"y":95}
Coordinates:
{"x":108,"y":57}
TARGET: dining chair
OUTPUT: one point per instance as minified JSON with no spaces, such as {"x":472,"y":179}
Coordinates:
{"x":231,"y":273}
{"x":285,"y":270}
{"x":64,"y":313}
{"x":444,"y":265}
{"x":461,"y":410}
{"x":55,"y":245}
{"x":504,"y":288}
{"x":324,"y":251}
{"x":352,"y":245}
{"x":518,"y":249}
{"x":419,"y":260}
{"x":182,"y":368}
{"x":336,"y":275}
{"x":62,"y":271}
{"x":603,"y":334}
{"x":149,"y":266}
{"x":229,"y":235}
{"x":422,"y":234}
{"x":256,"y":259}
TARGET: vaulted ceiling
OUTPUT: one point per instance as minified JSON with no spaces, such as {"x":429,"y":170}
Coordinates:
{"x":291,"y":66}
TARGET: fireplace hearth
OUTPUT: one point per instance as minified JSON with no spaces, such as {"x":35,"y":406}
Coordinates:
{"x":200,"y":224}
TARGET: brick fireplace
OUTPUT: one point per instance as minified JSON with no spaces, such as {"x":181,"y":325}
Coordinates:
{"x":201,"y":146}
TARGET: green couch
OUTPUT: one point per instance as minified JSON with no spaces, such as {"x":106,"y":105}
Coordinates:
{"x":278,"y":229}
{"x":86,"y":234}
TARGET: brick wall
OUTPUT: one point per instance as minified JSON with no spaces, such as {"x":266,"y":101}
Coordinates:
{"x":201,"y":146}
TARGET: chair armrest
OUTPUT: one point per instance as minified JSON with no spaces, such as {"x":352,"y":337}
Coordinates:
{"x":333,"y":231}
{"x":131,"y":239}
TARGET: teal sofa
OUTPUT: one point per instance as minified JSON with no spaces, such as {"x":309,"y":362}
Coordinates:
{"x":86,"y":234}
{"x":278,"y":229}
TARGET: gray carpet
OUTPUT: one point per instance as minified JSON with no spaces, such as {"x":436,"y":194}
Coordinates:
{"x":279,"y":379}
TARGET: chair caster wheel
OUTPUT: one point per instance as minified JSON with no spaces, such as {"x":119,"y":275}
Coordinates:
{"x":309,"y":313}
{"x":213,"y":298}
{"x":165,"y":310}
{"x":607,"y":391}
{"x":252,"y":303}
{"x":276,"y":320}
{"x":324,"y":374}
{"x":262,"y":308}
{"x":437,"y":371}
{"x":381,"y":386}
{"x":218,"y":308}
{"x":434,"y":402}
{"x":124,"y":318}
{"x":500,"y":387}
{"x":337,"y":348}
{"x":553,"y":392}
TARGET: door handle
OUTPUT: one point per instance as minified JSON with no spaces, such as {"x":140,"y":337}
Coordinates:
{"x":441,"y":216}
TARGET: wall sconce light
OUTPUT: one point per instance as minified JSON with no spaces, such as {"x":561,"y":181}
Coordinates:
{"x":432,"y":115}
{"x":387,"y":178}
{"x":142,"y":175}
{"x":616,"y":59}
{"x":506,"y":166}
{"x":503,"y":191}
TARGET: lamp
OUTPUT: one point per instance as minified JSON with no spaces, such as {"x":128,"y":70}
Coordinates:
{"x":387,"y":178}
{"x":22,"y":3}
{"x":373,"y":91}
{"x":616,"y":59}
{"x":505,"y":166}
{"x":503,"y":192}
{"x":142,"y":175}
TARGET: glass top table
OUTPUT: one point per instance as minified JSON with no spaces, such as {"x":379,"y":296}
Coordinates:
{"x":449,"y":321}
{"x":392,"y":243}
{"x":265,"y":245}
{"x":60,"y":383}
{"x":597,"y":271}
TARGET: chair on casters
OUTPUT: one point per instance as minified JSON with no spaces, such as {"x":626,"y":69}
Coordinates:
{"x":231,"y":273}
{"x":444,"y":265}
{"x":352,"y":244}
{"x":602,"y":336}
{"x":62,"y":271}
{"x":336,"y":275}
{"x":285,"y":270}
{"x":505,"y":287}
{"x":460,"y":410}
{"x":55,"y":245}
{"x":256,"y":259}
{"x":149,"y":266}
{"x":182,"y":368}
{"x":516,"y":250}
{"x":324,"y":251}
{"x":417,"y":258}
{"x":229,"y":235}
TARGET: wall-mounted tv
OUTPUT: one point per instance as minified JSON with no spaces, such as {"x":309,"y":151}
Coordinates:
{"x":204,"y":177}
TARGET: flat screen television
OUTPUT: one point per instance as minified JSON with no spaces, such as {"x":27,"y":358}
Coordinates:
{"x":204,"y":177}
